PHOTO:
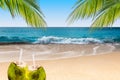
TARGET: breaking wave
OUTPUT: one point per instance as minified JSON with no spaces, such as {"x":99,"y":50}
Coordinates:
{"x":62,"y":40}
{"x":56,"y":40}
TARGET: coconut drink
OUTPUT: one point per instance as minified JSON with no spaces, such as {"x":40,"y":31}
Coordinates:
{"x":21,"y":71}
{"x":17,"y":72}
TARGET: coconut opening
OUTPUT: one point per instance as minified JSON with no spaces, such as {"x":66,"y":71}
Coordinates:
{"x":23,"y":64}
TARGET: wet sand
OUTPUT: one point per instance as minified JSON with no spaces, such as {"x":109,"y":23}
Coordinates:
{"x":52,"y":51}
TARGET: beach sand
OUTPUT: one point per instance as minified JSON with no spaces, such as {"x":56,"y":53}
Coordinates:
{"x":92,"y":67}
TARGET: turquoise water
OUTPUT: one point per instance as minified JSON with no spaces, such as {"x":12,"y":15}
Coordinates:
{"x":59,"y":35}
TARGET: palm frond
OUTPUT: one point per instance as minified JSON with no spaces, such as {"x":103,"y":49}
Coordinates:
{"x":103,"y":12}
{"x":107,"y":15}
{"x":85,"y":9}
{"x":2,"y":4}
{"x":28,"y":9}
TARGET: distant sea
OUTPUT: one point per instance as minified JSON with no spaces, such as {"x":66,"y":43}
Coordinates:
{"x":59,"y":35}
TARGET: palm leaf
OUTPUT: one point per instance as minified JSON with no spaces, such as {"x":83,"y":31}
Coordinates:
{"x":103,"y":12}
{"x":107,"y":15}
{"x":85,"y":9}
{"x":28,"y":9}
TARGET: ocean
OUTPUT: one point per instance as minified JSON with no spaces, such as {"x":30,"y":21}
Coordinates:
{"x":59,"y":35}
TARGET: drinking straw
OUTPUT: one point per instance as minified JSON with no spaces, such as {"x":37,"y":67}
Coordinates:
{"x":20,"y":56}
{"x":33,"y":56}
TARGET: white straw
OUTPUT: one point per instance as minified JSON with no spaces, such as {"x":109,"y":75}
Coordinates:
{"x":33,"y":56}
{"x":20,"y":56}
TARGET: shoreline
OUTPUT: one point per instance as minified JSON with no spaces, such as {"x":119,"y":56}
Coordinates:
{"x":53,"y":51}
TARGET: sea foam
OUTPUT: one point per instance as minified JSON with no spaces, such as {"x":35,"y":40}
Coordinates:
{"x":62,"y":40}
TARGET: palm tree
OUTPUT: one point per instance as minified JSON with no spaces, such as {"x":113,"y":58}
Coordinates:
{"x":27,"y":9}
{"x":103,"y":12}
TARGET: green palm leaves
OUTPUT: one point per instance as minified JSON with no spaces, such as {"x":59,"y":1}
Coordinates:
{"x":28,"y":9}
{"x":17,"y":73}
{"x":103,"y":12}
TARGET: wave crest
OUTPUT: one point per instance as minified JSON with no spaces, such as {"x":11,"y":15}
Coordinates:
{"x":62,"y":40}
{"x":56,"y":40}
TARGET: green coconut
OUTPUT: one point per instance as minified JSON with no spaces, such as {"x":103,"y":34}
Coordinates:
{"x":23,"y":73}
{"x":38,"y":74}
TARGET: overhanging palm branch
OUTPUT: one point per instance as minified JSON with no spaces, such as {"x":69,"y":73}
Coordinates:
{"x":28,"y":9}
{"x":103,"y":12}
{"x":108,"y":14}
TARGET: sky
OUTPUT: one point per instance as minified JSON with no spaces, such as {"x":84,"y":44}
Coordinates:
{"x":56,"y":12}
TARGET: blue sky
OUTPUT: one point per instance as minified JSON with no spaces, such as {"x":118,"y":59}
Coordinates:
{"x":55,"y":11}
